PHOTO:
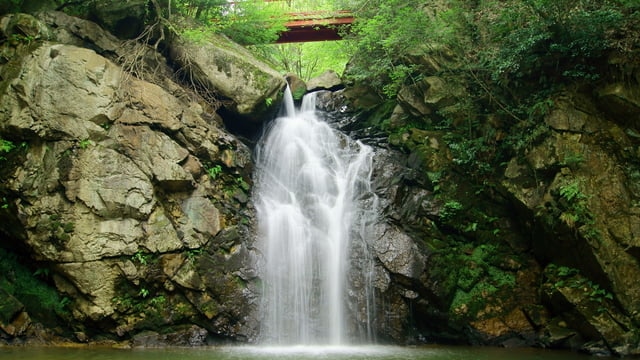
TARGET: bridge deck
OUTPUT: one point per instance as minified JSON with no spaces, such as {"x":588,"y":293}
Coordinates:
{"x":310,"y":26}
{"x":305,"y":30}
{"x":315,"y":26}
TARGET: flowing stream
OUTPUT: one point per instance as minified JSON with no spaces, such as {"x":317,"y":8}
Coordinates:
{"x":310,"y":184}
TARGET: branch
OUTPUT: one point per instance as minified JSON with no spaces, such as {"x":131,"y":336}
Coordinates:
{"x":493,"y":98}
{"x":71,"y":3}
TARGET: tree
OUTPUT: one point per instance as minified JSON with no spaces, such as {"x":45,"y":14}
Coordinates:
{"x":384,"y":33}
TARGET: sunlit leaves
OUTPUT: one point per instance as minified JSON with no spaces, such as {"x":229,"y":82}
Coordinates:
{"x":384,"y":33}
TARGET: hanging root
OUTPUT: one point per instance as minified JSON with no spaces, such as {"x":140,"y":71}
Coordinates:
{"x":142,"y":59}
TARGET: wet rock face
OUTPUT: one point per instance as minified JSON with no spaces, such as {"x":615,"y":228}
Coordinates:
{"x":126,"y":193}
{"x":568,"y":201}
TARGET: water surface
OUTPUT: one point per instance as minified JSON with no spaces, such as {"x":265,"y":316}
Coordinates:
{"x":284,"y":353}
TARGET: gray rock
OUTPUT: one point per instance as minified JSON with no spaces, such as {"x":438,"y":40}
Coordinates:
{"x":181,"y":336}
{"x":429,"y":95}
{"x":226,"y":68}
{"x":124,"y":19}
{"x":328,"y":80}
{"x":71,"y":30}
{"x":112,"y":184}
{"x":88,"y":80}
{"x":399,"y":253}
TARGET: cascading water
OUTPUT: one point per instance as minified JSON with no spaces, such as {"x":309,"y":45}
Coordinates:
{"x":311,"y":184}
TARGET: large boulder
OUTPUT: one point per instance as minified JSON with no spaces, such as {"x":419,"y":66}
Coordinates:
{"x":588,"y":308}
{"x":14,"y":321}
{"x":296,"y":85}
{"x":328,"y":80}
{"x":124,"y":19}
{"x":222,"y":67}
{"x":430,"y":95}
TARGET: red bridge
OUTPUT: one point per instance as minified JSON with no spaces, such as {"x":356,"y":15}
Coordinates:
{"x":316,"y":26}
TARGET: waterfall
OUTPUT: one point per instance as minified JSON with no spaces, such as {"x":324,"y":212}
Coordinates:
{"x":312,"y":184}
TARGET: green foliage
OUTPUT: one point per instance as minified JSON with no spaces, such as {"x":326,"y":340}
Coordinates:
{"x":527,"y":44}
{"x":450,"y":209}
{"x":5,"y":147}
{"x":200,"y":9}
{"x":245,"y":22}
{"x":193,"y":253}
{"x":574,"y":208}
{"x":435,"y":178}
{"x":21,"y":39}
{"x":197,"y":35}
{"x":387,"y":31}
{"x":468,"y":152}
{"x":39,"y":298}
{"x":479,"y":281}
{"x":469,"y":276}
{"x":306,"y":60}
{"x":143,"y":293}
{"x":542,"y":38}
{"x":11,"y":6}
{"x":158,"y":301}
{"x":242,"y":184}
{"x":60,"y":231}
{"x":141,"y":257}
{"x":141,"y":303}
{"x":85,"y":143}
{"x":214,"y":171}
{"x":567,"y":277}
{"x":571,"y":191}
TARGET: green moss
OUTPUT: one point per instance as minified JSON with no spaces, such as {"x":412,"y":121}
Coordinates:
{"x":469,"y":304}
{"x":210,"y":309}
{"x":299,"y":93}
{"x":444,"y":273}
{"x":469,"y":275}
{"x":478,"y":283}
{"x":450,"y":209}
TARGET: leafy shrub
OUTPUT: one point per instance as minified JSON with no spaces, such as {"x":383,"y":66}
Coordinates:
{"x":245,"y":22}
{"x":386,"y":31}
{"x":574,"y":206}
{"x":5,"y":147}
{"x":564,"y":276}
{"x":41,"y":300}
{"x":450,"y":209}
{"x":543,"y":37}
{"x":214,"y":171}
{"x":478,"y":282}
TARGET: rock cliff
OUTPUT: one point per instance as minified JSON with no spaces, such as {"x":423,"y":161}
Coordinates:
{"x":127,"y":195}
{"x":126,"y":205}
{"x":520,"y":233}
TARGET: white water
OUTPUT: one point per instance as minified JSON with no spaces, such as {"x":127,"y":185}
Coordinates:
{"x":310,"y":181}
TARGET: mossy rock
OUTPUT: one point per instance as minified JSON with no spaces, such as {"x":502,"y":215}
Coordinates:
{"x":9,"y":307}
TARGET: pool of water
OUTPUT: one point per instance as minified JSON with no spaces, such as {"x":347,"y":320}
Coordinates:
{"x":285,"y":353}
